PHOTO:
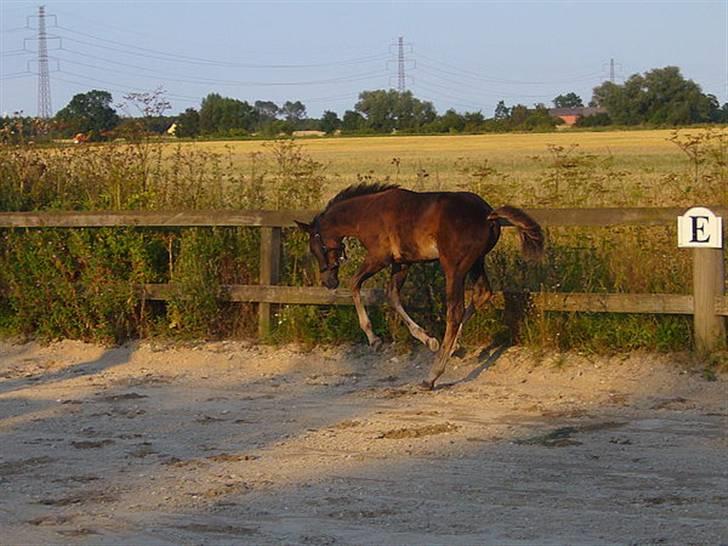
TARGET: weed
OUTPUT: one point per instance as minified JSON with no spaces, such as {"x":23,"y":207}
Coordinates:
{"x":87,"y":283}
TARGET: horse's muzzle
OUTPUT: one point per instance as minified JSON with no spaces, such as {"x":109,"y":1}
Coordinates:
{"x":331,"y":282}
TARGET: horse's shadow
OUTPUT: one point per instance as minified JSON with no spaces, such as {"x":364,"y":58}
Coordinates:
{"x":486,"y":358}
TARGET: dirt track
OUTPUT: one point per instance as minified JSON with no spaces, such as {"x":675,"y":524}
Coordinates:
{"x":227,"y":443}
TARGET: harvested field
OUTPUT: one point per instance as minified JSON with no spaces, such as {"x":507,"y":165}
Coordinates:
{"x":439,"y":162}
{"x":228,"y":442}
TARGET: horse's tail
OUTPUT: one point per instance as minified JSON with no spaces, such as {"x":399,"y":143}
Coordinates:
{"x":531,"y":234}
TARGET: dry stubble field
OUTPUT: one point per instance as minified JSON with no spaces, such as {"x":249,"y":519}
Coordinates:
{"x":644,"y":155}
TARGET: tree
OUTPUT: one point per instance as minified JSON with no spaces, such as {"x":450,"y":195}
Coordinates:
{"x":188,"y":124}
{"x":293,"y":112}
{"x":378,"y":109}
{"x":539,"y":118}
{"x":570,"y":100}
{"x":353,"y":122}
{"x":722,"y":114}
{"x":451,"y":122}
{"x":473,"y":121}
{"x":501,"y":111}
{"x":595,"y":120}
{"x":224,"y":115}
{"x":267,"y":110}
{"x":330,"y":122}
{"x":88,"y":112}
{"x":660,"y":96}
{"x":518,"y":116}
{"x":151,"y":104}
{"x":714,"y":110}
{"x":386,"y":111}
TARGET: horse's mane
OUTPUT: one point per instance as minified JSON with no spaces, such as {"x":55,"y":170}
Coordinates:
{"x":357,"y":190}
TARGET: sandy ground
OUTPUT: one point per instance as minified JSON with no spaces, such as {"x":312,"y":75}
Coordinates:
{"x":229,"y":443}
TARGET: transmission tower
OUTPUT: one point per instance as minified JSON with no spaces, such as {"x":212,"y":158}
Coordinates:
{"x":44,"y":80}
{"x":611,"y":70}
{"x":400,"y":66}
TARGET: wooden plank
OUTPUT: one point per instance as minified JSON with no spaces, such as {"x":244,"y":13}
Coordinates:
{"x":285,"y":218}
{"x":570,"y":302}
{"x":708,"y":284}
{"x":65,"y":219}
{"x":270,"y":264}
{"x":602,"y":217}
{"x":721,"y":306}
{"x":293,"y":295}
{"x":615,"y":303}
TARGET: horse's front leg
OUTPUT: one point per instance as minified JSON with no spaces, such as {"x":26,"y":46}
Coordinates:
{"x":367,"y":269}
{"x":455,"y":291}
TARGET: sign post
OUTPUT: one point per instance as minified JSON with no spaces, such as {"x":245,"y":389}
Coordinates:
{"x":702,"y":231}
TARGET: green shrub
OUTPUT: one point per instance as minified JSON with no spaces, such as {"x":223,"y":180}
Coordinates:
{"x":76,"y":283}
{"x":88,"y":283}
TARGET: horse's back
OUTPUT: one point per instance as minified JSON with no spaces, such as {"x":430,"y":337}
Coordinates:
{"x":402,"y":200}
{"x":420,"y":225}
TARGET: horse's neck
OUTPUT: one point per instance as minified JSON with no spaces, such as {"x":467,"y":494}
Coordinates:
{"x":344,"y":219}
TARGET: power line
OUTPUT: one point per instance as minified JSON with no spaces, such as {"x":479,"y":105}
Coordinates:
{"x":13,"y":75}
{"x":456,"y":71}
{"x":16,"y":52}
{"x":174,"y":57}
{"x":483,"y":91}
{"x":237,"y":83}
{"x":121,"y":89}
{"x":420,"y":84}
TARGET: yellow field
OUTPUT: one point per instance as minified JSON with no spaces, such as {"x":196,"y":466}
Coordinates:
{"x":640,"y":159}
{"x":367,"y":151}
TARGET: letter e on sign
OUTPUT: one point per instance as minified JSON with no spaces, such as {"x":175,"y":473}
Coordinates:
{"x":700,"y":228}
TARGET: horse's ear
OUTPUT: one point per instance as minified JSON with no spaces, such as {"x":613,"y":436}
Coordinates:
{"x":306,"y":228}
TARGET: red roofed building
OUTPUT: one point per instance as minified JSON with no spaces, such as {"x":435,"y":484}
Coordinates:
{"x":571,"y":115}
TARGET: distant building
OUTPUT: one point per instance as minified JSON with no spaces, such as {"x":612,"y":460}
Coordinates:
{"x":571,"y":115}
{"x":309,"y":133}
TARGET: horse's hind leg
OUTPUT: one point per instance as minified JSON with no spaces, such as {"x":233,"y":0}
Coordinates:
{"x":482,"y":294}
{"x":482,"y":291}
{"x":366,"y":270}
{"x":455,"y":290}
{"x":399,"y":274}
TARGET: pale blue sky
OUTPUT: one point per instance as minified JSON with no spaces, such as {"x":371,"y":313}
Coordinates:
{"x":462,"y":55}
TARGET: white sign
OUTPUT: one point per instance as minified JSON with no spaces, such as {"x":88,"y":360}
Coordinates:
{"x":699,"y":227}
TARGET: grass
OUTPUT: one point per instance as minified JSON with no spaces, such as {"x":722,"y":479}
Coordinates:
{"x":83,"y":283}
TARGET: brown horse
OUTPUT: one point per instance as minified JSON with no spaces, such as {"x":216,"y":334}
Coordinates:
{"x":400,"y":227}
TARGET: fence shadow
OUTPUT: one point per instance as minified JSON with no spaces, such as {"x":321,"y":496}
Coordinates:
{"x":110,"y":358}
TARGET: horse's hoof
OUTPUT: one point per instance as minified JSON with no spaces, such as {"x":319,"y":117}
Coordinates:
{"x":427,"y":385}
{"x":377,"y":344}
{"x":433,"y":344}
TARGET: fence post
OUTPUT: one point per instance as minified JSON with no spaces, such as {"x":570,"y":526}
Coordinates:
{"x":708,"y":283}
{"x":270,"y":261}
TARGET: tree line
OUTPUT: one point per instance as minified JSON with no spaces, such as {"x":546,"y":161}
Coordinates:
{"x":658,"y":97}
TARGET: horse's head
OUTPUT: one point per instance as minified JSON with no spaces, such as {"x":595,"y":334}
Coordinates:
{"x":329,"y":252}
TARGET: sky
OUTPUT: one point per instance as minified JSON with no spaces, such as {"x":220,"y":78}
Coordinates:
{"x":461,"y":55}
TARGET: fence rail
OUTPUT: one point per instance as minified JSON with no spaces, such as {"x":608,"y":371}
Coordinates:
{"x":707,"y":304}
{"x":594,"y":217}
{"x":591,"y":302}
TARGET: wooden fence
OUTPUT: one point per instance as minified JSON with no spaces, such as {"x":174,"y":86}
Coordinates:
{"x":707,"y":304}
